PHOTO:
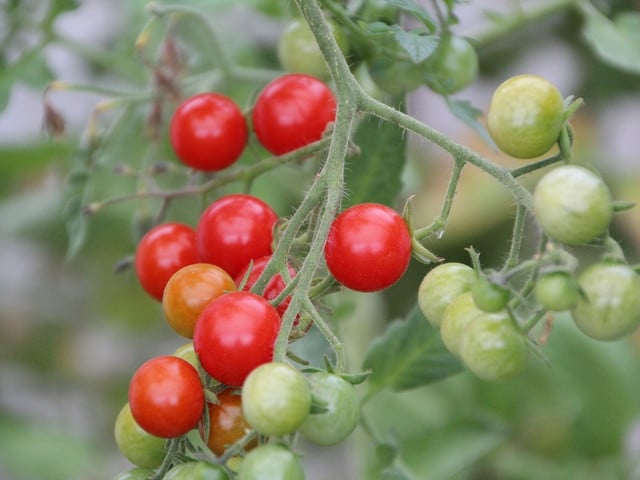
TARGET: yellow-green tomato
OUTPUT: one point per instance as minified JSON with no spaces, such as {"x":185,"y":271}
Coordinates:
{"x":141,"y":448}
{"x":557,"y":291}
{"x":138,"y":473}
{"x":271,"y":462}
{"x":188,"y":353}
{"x":493,"y":347}
{"x":440,"y":286}
{"x":526,"y":115}
{"x":196,"y":471}
{"x":455,"y":318}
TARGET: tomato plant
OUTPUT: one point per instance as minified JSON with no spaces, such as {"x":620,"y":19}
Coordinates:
{"x":208,"y":132}
{"x":292,"y":111}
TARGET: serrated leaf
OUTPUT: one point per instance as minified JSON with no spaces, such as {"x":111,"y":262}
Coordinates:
{"x":375,"y":175}
{"x":30,"y":69}
{"x":418,"y":46}
{"x":465,"y":111}
{"x":409,"y":354}
{"x":415,"y":10}
{"x":612,"y":43}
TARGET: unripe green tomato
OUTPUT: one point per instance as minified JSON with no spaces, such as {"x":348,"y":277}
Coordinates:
{"x":298,"y":51}
{"x":396,"y":77}
{"x":572,"y":204}
{"x":526,"y":115}
{"x":557,"y":291}
{"x":276,"y":399}
{"x":452,"y":67}
{"x":440,"y":286}
{"x":489,"y":297}
{"x":271,"y":462}
{"x":493,"y":348}
{"x":610,"y":308}
{"x":138,"y":473}
{"x":339,"y":398}
{"x":188,"y":353}
{"x":455,"y":318}
{"x":378,"y":11}
{"x":141,"y":448}
{"x":196,"y":471}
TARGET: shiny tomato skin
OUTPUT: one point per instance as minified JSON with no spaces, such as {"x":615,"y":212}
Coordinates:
{"x":137,"y":445}
{"x":293,"y":111}
{"x":166,"y":396}
{"x":208,"y":132}
{"x":368,"y":247}
{"x":234,"y":334}
{"x":227,"y":424}
{"x":161,"y":252}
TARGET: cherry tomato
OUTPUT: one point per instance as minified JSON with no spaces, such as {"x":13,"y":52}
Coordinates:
{"x":610,"y":307}
{"x":368,"y":247}
{"x":234,"y":334}
{"x":395,"y":76}
{"x":208,"y":132}
{"x":342,"y":409}
{"x":189,"y":290}
{"x":140,"y":448}
{"x":234,"y":230}
{"x":489,"y":296}
{"x":526,"y":115}
{"x":166,"y":396}
{"x":440,"y":286}
{"x":293,"y":111}
{"x":226,"y":422}
{"x":188,"y":353}
{"x":493,"y":348}
{"x":138,"y":473}
{"x":162,"y":251}
{"x":557,"y":291}
{"x":276,"y":399}
{"x":455,"y":318}
{"x":196,"y":471}
{"x":271,"y":462}
{"x":572,"y":204}
{"x":452,"y":67}
{"x":378,"y":11}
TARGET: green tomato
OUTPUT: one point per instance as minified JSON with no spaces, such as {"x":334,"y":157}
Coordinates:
{"x":572,"y":204}
{"x":452,"y":67}
{"x":298,"y":50}
{"x":342,"y":409}
{"x":188,"y":353}
{"x":276,"y":399}
{"x":138,"y":473}
{"x":196,"y":471}
{"x":271,"y":462}
{"x":378,"y":11}
{"x":455,"y":318}
{"x":610,"y":307}
{"x":557,"y":291}
{"x":141,"y":448}
{"x":440,"y":286}
{"x":489,"y":296}
{"x":526,"y":115}
{"x":493,"y":347}
{"x":393,"y":76}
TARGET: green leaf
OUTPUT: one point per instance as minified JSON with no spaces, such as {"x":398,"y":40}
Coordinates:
{"x":30,"y":69}
{"x":465,"y":111}
{"x":75,"y":217}
{"x":16,"y":159}
{"x":408,"y":355}
{"x":418,"y":46}
{"x":614,"y":43}
{"x":415,"y":10}
{"x":375,"y":175}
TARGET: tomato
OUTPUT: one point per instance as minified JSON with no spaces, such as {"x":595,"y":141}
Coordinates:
{"x":166,"y":396}
{"x":276,"y":399}
{"x":162,"y":251}
{"x":208,"y":132}
{"x":526,"y":115}
{"x":234,"y":334}
{"x":271,"y":462}
{"x":234,"y":230}
{"x":138,"y":473}
{"x":188,"y":353}
{"x":610,"y":308}
{"x":293,"y":111}
{"x":489,"y":296}
{"x":378,"y":11}
{"x":493,"y":347}
{"x":394,"y":76}
{"x":440,"y":286}
{"x":189,"y":290}
{"x":342,"y":409}
{"x":298,"y":51}
{"x":557,"y":291}
{"x":455,"y":318}
{"x":226,"y":422}
{"x":368,"y":247}
{"x":572,"y":204}
{"x":140,"y":448}
{"x":452,"y":67}
{"x":196,"y":471}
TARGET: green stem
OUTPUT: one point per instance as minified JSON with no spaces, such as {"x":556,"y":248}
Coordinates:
{"x":173,"y":447}
{"x":532,"y":167}
{"x":332,"y":338}
{"x":516,"y":239}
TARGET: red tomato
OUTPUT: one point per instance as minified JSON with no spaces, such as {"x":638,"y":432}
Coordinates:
{"x":293,"y":111}
{"x":162,"y":251}
{"x":208,"y":132}
{"x":234,"y":334}
{"x":166,"y":396}
{"x":235,"y":229}
{"x":368,"y":247}
{"x":227,"y":424}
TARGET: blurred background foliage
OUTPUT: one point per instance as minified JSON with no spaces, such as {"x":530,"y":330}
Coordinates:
{"x":72,"y":331}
